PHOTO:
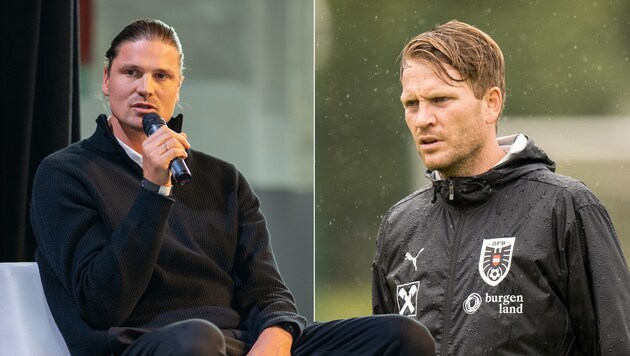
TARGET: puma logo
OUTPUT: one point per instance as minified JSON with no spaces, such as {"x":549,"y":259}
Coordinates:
{"x":413,"y":260}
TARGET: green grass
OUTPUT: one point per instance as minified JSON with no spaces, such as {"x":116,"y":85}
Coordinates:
{"x":342,"y":301}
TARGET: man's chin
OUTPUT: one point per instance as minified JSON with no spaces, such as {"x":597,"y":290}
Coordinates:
{"x":432,"y":162}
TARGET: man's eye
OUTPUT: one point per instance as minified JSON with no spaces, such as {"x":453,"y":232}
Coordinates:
{"x":411,"y":103}
{"x":132,"y":72}
{"x":439,"y":99}
{"x":162,"y":76}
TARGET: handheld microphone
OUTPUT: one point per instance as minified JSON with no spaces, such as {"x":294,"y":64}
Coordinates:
{"x":151,"y":123}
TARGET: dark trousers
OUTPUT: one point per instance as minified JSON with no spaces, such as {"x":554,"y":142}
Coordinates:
{"x":383,"y":335}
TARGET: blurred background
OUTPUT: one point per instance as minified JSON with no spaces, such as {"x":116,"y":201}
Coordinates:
{"x":247,"y":98}
{"x":568,"y":79}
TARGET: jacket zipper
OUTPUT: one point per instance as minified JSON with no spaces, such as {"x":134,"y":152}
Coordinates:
{"x":451,"y":190}
{"x":451,"y":282}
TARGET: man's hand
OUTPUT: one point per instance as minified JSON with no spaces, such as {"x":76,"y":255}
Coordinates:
{"x":158,"y":150}
{"x":273,"y":341}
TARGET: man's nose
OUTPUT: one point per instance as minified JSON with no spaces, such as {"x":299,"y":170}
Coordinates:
{"x":146,"y":86}
{"x":423,"y":116}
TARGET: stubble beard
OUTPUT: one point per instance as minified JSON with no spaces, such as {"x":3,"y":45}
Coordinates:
{"x":455,"y":163}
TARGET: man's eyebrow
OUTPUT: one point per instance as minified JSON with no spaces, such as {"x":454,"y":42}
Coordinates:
{"x":405,"y":95}
{"x":141,"y":69}
{"x":166,"y":70}
{"x":129,"y":66}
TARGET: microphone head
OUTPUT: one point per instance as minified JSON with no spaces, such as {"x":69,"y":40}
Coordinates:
{"x":151,"y":122}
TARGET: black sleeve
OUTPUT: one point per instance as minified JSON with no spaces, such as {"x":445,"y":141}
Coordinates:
{"x":382,"y":302}
{"x":598,"y":297}
{"x":261,"y":294}
{"x":104,"y":272}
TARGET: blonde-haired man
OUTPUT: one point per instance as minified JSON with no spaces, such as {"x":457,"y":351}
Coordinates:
{"x":498,"y":255}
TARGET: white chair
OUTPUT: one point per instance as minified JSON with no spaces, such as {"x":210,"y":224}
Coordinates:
{"x":26,"y":326}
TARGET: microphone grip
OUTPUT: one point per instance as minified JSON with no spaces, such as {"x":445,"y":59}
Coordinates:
{"x":180,"y":171}
{"x":151,"y":123}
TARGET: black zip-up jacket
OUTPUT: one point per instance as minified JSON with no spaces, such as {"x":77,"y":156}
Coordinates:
{"x":515,"y":261}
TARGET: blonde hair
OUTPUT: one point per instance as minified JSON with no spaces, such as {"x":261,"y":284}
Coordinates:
{"x":470,"y":51}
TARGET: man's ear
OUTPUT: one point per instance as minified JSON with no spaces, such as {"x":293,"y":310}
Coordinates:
{"x":179,"y":88}
{"x":105,"y":83}
{"x":493,"y":101}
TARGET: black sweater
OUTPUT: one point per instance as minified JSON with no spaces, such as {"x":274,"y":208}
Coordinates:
{"x":112,"y":254}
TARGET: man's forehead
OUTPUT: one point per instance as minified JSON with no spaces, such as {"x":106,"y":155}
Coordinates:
{"x":446,"y":74}
{"x":148,"y":44}
{"x":147,"y":51}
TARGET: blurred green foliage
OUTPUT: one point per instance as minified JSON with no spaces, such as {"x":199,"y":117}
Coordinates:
{"x":563,"y":58}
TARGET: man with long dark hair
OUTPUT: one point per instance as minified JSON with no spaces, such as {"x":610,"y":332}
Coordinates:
{"x":133,"y":265}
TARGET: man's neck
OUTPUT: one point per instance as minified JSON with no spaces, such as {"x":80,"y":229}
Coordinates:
{"x":506,"y":147}
{"x":486,"y":159}
{"x":130,"y":137}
